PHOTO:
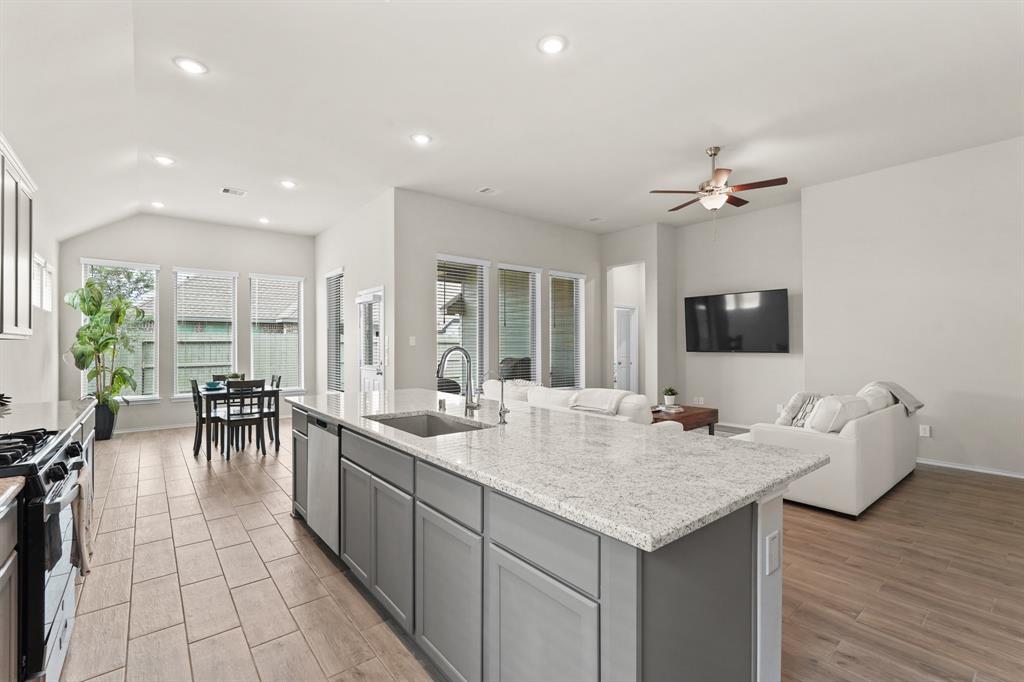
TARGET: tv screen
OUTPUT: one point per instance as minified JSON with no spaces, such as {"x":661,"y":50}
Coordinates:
{"x":744,"y":322}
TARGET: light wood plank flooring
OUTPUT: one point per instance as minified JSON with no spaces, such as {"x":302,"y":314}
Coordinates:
{"x":200,"y":572}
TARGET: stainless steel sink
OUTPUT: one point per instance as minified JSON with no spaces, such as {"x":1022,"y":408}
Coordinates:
{"x":428,"y":425}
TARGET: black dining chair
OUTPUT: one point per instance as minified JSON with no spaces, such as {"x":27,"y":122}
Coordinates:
{"x":215,"y":418}
{"x":272,"y":405}
{"x":226,"y":377}
{"x":245,"y":408}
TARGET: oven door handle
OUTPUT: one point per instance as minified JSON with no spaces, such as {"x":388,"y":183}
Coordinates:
{"x":56,"y":506}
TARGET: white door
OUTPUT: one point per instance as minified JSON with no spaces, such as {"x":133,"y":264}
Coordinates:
{"x":372,"y":351}
{"x":624,"y":361}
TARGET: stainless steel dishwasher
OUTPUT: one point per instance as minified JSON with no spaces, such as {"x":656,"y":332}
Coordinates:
{"x":322,"y":481}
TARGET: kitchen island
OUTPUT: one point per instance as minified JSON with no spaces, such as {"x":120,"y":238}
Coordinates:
{"x":557,"y":546}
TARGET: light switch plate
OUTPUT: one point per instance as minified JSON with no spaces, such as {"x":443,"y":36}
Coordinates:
{"x":412,"y":340}
{"x":924,"y":430}
{"x":771,"y":553}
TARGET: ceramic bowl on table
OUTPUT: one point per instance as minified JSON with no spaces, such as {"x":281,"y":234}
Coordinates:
{"x":213,"y":385}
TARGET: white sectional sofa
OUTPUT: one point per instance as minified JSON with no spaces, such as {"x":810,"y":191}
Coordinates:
{"x":869,"y":455}
{"x":632,"y":408}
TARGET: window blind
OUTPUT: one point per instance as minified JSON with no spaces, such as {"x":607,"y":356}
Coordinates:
{"x":566,"y":331}
{"x":138,"y":284}
{"x":336,"y":332}
{"x":518,"y":352}
{"x":48,"y":278}
{"x":38,"y":266}
{"x":275,"y":305}
{"x":204,"y":331}
{"x":460,"y":306}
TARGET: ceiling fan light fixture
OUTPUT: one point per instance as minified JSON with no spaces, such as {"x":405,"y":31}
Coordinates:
{"x":713,"y":202}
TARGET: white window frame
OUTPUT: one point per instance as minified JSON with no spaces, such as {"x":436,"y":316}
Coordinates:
{"x":302,"y":326}
{"x":38,"y":262}
{"x":582,"y":279}
{"x":234,"y":321}
{"x":103,"y":262}
{"x":327,"y":319}
{"x":538,"y":371}
{"x":485,"y":323}
{"x":49,"y":275}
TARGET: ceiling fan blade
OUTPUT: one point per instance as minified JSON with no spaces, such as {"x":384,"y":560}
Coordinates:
{"x":673,"y":191}
{"x":758,"y":185}
{"x":691,"y":201}
{"x":736,"y":201}
{"x":720,"y":176}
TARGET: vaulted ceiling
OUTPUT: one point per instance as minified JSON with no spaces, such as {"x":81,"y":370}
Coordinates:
{"x":328,"y":93}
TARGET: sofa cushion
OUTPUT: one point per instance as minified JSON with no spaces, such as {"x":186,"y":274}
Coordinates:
{"x":549,"y":397}
{"x":601,"y":400}
{"x":877,"y":397}
{"x":636,"y":408}
{"x":832,"y":413}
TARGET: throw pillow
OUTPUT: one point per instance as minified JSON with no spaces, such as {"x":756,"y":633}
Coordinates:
{"x":801,"y":402}
{"x":832,"y":413}
{"x":800,"y":419}
{"x":877,"y":397}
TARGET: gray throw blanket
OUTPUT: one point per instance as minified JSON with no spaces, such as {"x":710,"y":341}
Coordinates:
{"x":910,"y":403}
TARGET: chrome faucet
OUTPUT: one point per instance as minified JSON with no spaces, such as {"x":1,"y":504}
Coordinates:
{"x":502,"y":409}
{"x":467,"y":389}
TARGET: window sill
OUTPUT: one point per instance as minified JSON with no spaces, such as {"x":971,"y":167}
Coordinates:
{"x":139,"y":400}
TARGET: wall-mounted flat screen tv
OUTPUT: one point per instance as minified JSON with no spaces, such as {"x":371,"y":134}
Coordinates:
{"x":743,"y":322}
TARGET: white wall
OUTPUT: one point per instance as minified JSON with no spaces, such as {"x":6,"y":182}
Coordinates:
{"x":915,"y":274}
{"x":176,"y":242}
{"x":363,"y":243}
{"x":427,"y":225}
{"x":759,"y":249}
{"x":28,"y":367}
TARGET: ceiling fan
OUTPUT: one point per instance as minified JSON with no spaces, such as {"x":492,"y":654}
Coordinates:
{"x":715,"y":193}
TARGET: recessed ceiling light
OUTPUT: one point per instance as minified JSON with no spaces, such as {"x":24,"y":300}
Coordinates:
{"x":157,"y":204}
{"x":421,"y":139}
{"x":552,"y":44}
{"x":163,"y":160}
{"x":190,"y":66}
{"x":288,"y":184}
{"x":264,"y":221}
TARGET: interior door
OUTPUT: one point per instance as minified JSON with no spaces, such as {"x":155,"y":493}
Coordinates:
{"x":624,"y":363}
{"x":372,"y":351}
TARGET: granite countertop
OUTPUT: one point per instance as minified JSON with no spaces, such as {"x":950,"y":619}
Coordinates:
{"x":55,"y":416}
{"x":640,"y":484}
{"x":9,"y":489}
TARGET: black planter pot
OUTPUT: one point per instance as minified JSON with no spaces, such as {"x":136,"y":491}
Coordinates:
{"x":104,"y":422}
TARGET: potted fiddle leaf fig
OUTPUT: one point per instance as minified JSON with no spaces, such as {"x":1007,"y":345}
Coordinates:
{"x":98,"y":342}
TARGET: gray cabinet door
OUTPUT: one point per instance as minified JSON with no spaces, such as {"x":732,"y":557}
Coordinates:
{"x":322,"y":485}
{"x":537,"y":628}
{"x":355,"y":520}
{"x":392,"y":550}
{"x":449,"y":594}
{"x":300,"y":481}
{"x":9,"y":657}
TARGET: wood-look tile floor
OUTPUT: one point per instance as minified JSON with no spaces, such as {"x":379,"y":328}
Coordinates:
{"x":200,"y":573}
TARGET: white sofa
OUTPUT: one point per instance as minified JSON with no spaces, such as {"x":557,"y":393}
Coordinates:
{"x":868,"y":457}
{"x":633,"y":408}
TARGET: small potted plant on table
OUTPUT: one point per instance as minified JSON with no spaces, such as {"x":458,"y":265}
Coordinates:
{"x":97,"y":343}
{"x":670,"y":396}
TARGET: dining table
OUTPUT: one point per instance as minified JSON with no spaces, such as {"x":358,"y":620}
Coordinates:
{"x":212,"y":396}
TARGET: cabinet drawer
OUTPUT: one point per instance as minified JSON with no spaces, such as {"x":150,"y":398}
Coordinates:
{"x":299,"y":420}
{"x":391,"y":465}
{"x":567,"y":551}
{"x":460,"y":499}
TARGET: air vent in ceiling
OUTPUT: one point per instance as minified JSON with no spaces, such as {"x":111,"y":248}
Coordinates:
{"x":487,"y":190}
{"x":233,"y":191}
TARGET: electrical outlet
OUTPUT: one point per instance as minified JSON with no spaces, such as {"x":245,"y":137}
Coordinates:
{"x":771,"y":553}
{"x":778,"y":408}
{"x":412,"y":340}
{"x":924,"y":430}
{"x":701,"y":400}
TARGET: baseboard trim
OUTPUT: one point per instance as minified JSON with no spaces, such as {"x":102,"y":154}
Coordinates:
{"x":968,"y":467}
{"x":140,"y":429}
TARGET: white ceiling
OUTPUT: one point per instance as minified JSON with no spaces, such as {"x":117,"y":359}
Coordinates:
{"x":328,"y":92}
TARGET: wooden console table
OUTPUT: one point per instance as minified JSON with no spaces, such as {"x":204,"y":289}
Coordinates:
{"x":692,"y":417}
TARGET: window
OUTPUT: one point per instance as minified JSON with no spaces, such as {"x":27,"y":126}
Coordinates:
{"x":38,"y":267}
{"x":49,"y":276}
{"x":566,"y":330}
{"x":518,"y":346}
{"x":204,"y":326}
{"x":461,"y":313}
{"x":336,"y":331}
{"x":275,"y":303}
{"x":138,"y":284}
